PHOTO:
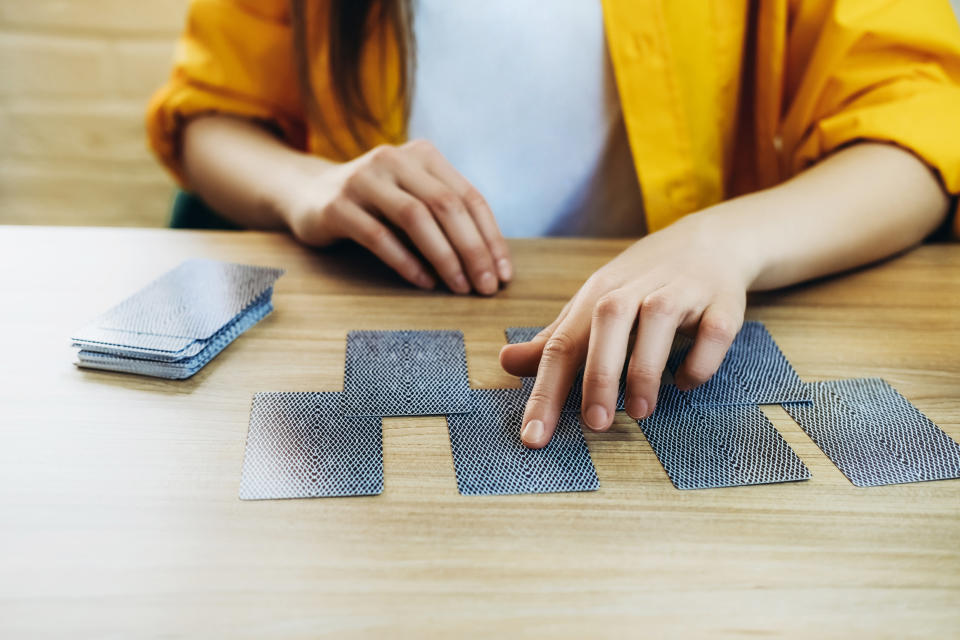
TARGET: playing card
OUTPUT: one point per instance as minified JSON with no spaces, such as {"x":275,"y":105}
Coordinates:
{"x":490,"y":458}
{"x":874,"y":435}
{"x":405,"y":373}
{"x":300,"y":445}
{"x":754,"y":371}
{"x":723,"y":446}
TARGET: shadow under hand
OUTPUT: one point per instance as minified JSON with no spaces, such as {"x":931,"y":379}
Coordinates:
{"x":354,"y":266}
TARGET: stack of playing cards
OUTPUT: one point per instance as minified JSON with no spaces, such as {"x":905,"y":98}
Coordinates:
{"x":175,"y":325}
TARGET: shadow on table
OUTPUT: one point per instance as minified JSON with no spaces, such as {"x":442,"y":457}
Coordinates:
{"x":354,"y":266}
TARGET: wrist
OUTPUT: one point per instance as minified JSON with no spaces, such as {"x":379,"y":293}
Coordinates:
{"x":725,"y":230}
{"x":300,"y":188}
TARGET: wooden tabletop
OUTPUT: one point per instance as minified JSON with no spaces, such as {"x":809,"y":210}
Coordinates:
{"x":119,"y":514}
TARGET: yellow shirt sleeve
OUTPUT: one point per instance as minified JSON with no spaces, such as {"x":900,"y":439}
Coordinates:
{"x":876,"y":70}
{"x":235,"y":57}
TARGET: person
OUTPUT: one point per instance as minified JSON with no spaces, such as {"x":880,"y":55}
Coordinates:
{"x":749,"y":146}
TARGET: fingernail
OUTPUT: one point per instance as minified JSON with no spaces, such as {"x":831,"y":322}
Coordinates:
{"x":596,"y":417}
{"x":533,"y":432}
{"x":460,"y":284}
{"x":423,"y":280}
{"x":637,"y":408}
{"x":504,"y":268}
{"x":488,"y":282}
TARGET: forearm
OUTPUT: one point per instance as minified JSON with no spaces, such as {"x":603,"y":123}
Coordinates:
{"x":242,"y":171}
{"x":859,"y":205}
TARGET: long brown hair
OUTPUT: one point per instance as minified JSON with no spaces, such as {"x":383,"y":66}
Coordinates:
{"x":349,"y":26}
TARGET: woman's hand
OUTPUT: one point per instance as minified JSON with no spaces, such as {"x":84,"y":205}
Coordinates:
{"x":690,"y":276}
{"x":410,"y":189}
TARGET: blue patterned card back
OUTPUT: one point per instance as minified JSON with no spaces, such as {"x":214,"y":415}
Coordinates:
{"x":184,"y":354}
{"x":490,"y":458}
{"x":727,"y":446}
{"x":405,"y":373}
{"x":191,"y":302}
{"x":874,"y":435}
{"x":299,"y":445}
{"x":754,"y":371}
{"x":180,"y":369}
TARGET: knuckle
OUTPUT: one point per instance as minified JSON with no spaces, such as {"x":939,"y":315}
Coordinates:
{"x":560,"y":346}
{"x":375,"y":236}
{"x":643,"y":373}
{"x":383,"y":154}
{"x":611,"y":305}
{"x":659,"y":304}
{"x":444,"y":204}
{"x":449,"y":266}
{"x":697,"y":373}
{"x":317,"y":227}
{"x":476,"y":256}
{"x":333,"y":211}
{"x":336,"y":213}
{"x":408,"y":267}
{"x":538,"y":397}
{"x":410,"y":213}
{"x":600,"y":378}
{"x":718,"y":328}
{"x":599,"y":282}
{"x":474,"y":199}
{"x":447,"y":263}
{"x":420,"y":145}
{"x":354,"y":183}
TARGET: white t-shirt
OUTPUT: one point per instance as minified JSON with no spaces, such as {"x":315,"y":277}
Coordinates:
{"x":519,"y":96}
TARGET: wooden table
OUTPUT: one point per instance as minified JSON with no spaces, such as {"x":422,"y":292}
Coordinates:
{"x":119,"y":514}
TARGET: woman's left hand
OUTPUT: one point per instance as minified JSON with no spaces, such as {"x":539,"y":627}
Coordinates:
{"x":690,"y":276}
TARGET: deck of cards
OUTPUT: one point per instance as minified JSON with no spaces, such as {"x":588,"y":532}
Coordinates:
{"x":179,"y":322}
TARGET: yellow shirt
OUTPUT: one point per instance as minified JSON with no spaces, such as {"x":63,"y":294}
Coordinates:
{"x":720,"y":97}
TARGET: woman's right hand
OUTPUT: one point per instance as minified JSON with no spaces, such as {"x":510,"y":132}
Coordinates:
{"x":413,"y":189}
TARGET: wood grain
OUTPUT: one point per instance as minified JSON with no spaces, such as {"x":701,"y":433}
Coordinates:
{"x":119,"y":514}
{"x":75,"y":79}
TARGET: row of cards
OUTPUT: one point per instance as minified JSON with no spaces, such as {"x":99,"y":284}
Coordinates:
{"x":329,"y":444}
{"x":179,"y":322}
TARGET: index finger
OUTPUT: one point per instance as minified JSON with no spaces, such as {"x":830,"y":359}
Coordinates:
{"x":563,"y":354}
{"x":523,"y":358}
